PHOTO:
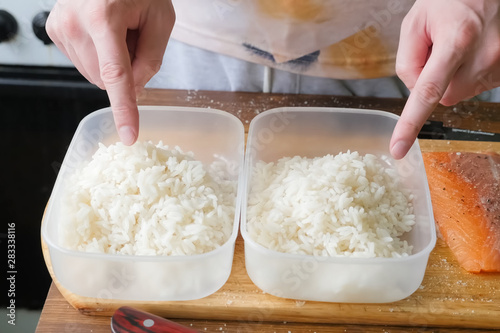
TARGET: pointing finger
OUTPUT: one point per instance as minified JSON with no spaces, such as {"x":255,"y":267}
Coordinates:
{"x":117,"y":78}
{"x":426,"y":94}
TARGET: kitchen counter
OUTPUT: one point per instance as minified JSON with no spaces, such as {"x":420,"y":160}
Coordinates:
{"x":59,"y":316}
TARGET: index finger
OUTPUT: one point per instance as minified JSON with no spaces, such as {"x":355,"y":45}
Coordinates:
{"x":116,"y":75}
{"x":426,"y":94}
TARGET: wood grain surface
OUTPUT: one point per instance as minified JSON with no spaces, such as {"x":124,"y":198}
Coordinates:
{"x":59,"y":316}
{"x":473,"y":115}
{"x":449,"y":299}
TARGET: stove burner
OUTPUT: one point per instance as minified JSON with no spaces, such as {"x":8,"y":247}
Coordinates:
{"x":38,"y":24}
{"x":8,"y":26}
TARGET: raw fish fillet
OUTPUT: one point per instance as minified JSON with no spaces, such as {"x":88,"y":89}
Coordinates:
{"x":465,"y":194}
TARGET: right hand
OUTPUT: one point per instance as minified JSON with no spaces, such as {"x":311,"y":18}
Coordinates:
{"x":118,"y":45}
{"x":449,"y":50}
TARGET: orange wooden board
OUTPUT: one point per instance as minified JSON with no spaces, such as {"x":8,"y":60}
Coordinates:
{"x":448,"y":296}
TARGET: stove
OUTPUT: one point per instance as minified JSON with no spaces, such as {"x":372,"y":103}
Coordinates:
{"x":23,"y":39}
{"x":42,"y":100}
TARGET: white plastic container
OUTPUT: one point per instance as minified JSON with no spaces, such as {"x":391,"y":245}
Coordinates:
{"x":315,"y":132}
{"x":211,"y":135}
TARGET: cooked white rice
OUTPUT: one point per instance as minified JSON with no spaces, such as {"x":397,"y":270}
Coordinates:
{"x":342,"y":205}
{"x":147,"y":199}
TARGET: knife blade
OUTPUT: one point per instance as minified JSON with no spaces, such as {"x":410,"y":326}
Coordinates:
{"x":437,"y":131}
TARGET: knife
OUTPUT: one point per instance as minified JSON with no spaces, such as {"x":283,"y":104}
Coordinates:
{"x":130,"y":320}
{"x":436,"y":130}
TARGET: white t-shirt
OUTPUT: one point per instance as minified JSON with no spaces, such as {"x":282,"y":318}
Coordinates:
{"x":340,"y":39}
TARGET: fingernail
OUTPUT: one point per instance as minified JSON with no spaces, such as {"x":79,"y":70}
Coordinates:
{"x":399,"y":150}
{"x":127,"y":135}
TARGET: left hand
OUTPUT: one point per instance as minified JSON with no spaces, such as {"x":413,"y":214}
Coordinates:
{"x":449,"y":50}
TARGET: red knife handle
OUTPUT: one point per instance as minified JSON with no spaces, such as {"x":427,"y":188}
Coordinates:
{"x":130,"y":320}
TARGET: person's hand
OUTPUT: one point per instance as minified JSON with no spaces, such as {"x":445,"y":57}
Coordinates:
{"x":117,"y":45}
{"x":449,"y":50}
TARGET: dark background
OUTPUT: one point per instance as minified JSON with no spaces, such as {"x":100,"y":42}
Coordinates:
{"x":40,"y":109}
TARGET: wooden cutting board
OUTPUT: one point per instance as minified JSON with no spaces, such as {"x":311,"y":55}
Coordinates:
{"x":449,"y":296}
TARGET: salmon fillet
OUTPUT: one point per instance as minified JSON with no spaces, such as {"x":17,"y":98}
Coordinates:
{"x":465,"y":194}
